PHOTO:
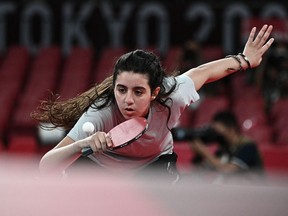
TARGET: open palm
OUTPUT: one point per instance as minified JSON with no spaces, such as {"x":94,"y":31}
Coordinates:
{"x":255,"y":47}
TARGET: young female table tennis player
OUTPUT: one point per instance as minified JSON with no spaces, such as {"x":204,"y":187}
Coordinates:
{"x":138,"y":87}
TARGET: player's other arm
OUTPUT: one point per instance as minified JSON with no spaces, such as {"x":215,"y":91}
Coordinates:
{"x":60,"y":157}
{"x":68,"y":150}
{"x":254,"y":49}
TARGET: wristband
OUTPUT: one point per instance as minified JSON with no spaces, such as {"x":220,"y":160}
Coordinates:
{"x":246,"y":60}
{"x":237,"y":59}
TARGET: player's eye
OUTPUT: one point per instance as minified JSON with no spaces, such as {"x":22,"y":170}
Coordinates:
{"x":121,"y":89}
{"x":138,"y":92}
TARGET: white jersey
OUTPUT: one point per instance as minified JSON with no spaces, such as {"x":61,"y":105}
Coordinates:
{"x":156,"y":141}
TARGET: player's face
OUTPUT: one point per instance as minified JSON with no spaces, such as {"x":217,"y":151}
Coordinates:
{"x":133,"y":94}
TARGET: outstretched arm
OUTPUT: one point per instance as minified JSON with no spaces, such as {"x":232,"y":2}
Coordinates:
{"x":67,"y":151}
{"x":254,"y":49}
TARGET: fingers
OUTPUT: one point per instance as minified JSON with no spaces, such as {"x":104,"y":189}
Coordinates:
{"x":109,"y":141}
{"x":267,"y":45}
{"x":260,"y":34}
{"x":266,"y":35}
{"x":100,"y":141}
{"x":256,"y":47}
{"x":263,"y":43}
{"x":263,"y":35}
{"x":251,"y":35}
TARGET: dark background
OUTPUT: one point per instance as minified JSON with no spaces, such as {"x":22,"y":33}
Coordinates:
{"x":180,"y":29}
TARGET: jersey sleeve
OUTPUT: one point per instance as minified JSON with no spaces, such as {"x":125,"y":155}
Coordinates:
{"x":184,"y":94}
{"x":93,"y":116}
{"x":187,"y":89}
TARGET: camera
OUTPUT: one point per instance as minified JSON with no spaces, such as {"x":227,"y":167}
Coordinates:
{"x":206,"y":133}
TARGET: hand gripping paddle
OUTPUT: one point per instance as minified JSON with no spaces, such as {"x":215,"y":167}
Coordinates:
{"x":124,"y":133}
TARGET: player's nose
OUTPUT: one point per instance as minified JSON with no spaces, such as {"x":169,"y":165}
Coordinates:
{"x":129,"y":98}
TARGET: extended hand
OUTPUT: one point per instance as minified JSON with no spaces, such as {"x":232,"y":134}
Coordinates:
{"x":255,"y":48}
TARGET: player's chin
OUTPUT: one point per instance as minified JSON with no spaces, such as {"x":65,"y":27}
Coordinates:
{"x":129,"y":115}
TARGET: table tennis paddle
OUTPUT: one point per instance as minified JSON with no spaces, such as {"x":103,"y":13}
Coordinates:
{"x":124,"y":133}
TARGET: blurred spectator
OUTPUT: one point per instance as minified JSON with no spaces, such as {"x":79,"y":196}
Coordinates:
{"x":236,"y":155}
{"x":273,"y":75}
{"x":190,"y":55}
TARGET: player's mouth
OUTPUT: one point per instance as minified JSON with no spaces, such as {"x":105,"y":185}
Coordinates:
{"x":129,"y":110}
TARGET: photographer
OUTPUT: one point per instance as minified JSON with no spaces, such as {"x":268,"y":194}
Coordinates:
{"x":236,"y":155}
{"x":239,"y":154}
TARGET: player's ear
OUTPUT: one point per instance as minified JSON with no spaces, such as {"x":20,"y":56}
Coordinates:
{"x":155,"y":93}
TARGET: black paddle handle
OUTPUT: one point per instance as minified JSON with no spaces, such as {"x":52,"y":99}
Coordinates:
{"x":86,"y":151}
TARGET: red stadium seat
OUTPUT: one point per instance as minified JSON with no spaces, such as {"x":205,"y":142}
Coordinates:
{"x":23,"y":145}
{"x":186,"y":118}
{"x":106,"y":62}
{"x":207,"y":108}
{"x":15,"y":69}
{"x":254,"y":103}
{"x":76,"y":74}
{"x":185,"y":155}
{"x":279,"y":119}
{"x":210,"y":53}
{"x":1,"y":146}
{"x":241,"y":89}
{"x":279,"y":109}
{"x":42,"y":80}
{"x":280,"y":124}
{"x":12,"y":74}
{"x":275,"y":158}
{"x":7,"y":107}
{"x":262,"y":135}
{"x":250,"y":112}
{"x":282,"y":137}
{"x":171,"y":59}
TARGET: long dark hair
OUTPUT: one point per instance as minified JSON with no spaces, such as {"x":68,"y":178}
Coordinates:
{"x":66,"y":113}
